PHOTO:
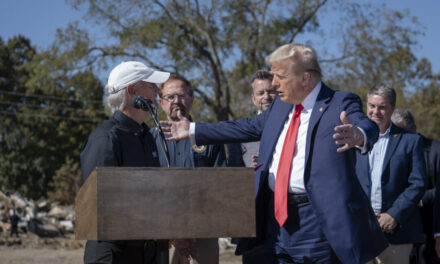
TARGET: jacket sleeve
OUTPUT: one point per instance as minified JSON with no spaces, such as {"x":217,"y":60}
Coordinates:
{"x":238,"y":131}
{"x":352,"y":104}
{"x":407,"y":201}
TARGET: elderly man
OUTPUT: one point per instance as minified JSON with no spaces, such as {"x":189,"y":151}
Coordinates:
{"x":176,"y":99}
{"x":310,"y":207}
{"x":123,"y":140}
{"x":393,"y":176}
{"x":424,"y":253}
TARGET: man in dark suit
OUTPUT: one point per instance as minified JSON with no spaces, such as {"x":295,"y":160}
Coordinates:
{"x":437,"y":217}
{"x":424,"y":253}
{"x":393,"y":176}
{"x":310,"y":208}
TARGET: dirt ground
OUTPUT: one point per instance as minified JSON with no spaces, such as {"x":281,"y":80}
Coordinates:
{"x":67,"y":256}
{"x":30,"y":249}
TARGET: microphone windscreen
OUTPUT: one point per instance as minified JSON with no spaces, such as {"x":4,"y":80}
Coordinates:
{"x":134,"y":101}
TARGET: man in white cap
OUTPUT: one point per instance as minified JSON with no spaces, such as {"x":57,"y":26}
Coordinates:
{"x":123,"y":140}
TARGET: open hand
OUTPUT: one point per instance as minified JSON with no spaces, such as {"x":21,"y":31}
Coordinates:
{"x":176,"y":130}
{"x":347,"y":134}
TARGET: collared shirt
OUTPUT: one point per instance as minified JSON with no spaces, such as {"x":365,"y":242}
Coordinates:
{"x":119,"y":142}
{"x":376,"y":157}
{"x":296,"y":180}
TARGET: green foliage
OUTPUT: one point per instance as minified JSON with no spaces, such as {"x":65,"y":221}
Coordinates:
{"x":46,"y":115}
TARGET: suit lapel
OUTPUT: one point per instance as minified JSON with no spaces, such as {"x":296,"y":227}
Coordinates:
{"x":393,"y":141}
{"x":276,"y":123}
{"x":321,"y":105}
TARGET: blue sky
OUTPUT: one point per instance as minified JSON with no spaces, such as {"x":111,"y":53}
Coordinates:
{"x":39,"y":19}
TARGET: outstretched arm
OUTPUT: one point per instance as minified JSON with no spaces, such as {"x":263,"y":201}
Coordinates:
{"x":347,"y":134}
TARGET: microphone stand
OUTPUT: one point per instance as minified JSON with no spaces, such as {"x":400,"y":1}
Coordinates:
{"x":163,"y":144}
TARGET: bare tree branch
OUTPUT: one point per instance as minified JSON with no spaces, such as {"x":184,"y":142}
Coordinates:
{"x":306,"y":19}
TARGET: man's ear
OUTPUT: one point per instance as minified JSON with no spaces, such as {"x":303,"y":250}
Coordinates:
{"x":130,"y":90}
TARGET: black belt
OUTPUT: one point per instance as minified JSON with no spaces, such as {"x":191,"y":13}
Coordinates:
{"x":293,"y":198}
{"x":297,"y":198}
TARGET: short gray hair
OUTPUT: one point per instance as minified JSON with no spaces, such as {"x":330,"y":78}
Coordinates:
{"x":385,"y":90}
{"x":116,"y":101}
{"x":302,"y":55}
{"x":403,"y":116}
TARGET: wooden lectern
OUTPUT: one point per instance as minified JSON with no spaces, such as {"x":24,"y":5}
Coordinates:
{"x":125,"y":203}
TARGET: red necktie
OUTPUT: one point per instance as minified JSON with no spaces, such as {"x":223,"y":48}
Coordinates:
{"x":283,"y":172}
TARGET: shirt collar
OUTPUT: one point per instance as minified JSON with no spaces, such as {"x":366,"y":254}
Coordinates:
{"x":387,"y":132}
{"x":310,"y":99}
{"x":129,"y":124}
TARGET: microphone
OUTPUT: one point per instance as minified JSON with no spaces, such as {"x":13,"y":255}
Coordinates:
{"x":145,"y":104}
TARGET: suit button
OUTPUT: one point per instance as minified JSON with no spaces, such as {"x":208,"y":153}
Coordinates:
{"x":368,"y":185}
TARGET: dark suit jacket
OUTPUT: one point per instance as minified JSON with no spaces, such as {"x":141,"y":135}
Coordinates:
{"x":341,"y":206}
{"x":431,"y":149}
{"x":403,"y":183}
{"x":437,"y":206}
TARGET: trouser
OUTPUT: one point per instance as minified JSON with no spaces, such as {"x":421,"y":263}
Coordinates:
{"x":394,"y":254}
{"x":120,"y":252}
{"x":207,"y":252}
{"x":254,"y":256}
{"x":300,"y":240}
{"x":14,"y":230}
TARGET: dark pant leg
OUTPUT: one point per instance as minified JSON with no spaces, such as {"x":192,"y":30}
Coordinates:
{"x":101,"y":252}
{"x":106,"y":252}
{"x":300,"y":240}
{"x":255,"y":256}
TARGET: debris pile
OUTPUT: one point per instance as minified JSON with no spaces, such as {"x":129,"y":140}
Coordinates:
{"x":41,"y":223}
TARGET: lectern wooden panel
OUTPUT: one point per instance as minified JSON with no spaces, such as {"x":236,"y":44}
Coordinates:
{"x":120,"y":203}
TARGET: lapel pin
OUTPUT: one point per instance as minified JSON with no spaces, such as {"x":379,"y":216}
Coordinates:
{"x":321,"y":109}
{"x":395,"y":135}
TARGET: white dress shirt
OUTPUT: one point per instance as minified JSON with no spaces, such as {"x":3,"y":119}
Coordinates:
{"x":296,"y":180}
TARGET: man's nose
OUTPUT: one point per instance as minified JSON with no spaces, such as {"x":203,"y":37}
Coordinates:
{"x":266,"y":95}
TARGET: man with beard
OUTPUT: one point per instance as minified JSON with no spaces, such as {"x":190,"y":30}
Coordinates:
{"x":176,"y":98}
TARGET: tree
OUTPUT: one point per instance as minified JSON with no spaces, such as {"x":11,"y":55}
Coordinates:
{"x":215,"y":43}
{"x":380,"y":50}
{"x":46,"y":115}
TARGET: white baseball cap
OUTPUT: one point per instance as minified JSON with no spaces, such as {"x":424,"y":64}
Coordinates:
{"x":129,"y":72}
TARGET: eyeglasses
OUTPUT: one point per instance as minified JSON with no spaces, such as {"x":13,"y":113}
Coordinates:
{"x":171,"y":97}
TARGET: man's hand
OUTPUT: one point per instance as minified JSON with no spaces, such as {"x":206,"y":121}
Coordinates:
{"x":185,"y":247}
{"x":176,"y":130}
{"x":347,"y":134}
{"x":254,"y":159}
{"x":437,"y":246}
{"x":386,"y":222}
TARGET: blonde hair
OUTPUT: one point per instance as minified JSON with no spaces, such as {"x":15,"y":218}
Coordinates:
{"x":303,"y":58}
